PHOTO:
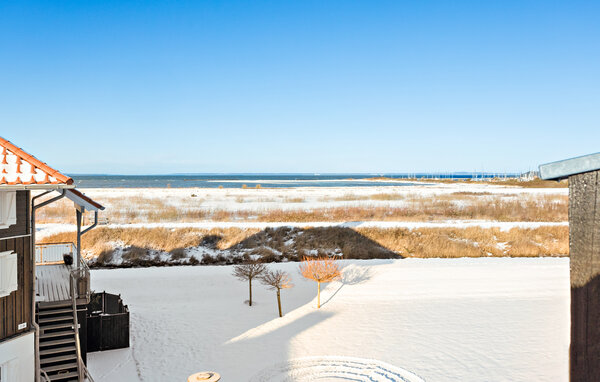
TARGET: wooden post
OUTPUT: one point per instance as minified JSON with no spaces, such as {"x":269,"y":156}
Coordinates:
{"x":584,"y":247}
{"x":78,"y":216}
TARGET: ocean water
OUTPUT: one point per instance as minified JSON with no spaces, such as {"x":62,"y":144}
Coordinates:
{"x":252,"y":180}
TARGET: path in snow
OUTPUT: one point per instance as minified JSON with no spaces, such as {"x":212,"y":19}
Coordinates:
{"x":335,"y":369}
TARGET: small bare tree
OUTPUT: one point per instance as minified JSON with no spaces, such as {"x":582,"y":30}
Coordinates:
{"x":321,"y":270}
{"x":277,"y":280}
{"x":247,"y":272}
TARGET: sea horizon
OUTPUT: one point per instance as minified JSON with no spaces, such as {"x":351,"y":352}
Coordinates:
{"x":271,"y":180}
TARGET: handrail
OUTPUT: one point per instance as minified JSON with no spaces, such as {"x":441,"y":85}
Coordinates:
{"x":50,"y":253}
{"x":56,"y":242}
{"x":46,"y":377}
{"x":82,"y":369}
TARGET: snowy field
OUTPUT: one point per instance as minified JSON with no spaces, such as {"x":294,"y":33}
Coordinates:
{"x":250,"y":199}
{"x":304,"y":198}
{"x":487,"y":319}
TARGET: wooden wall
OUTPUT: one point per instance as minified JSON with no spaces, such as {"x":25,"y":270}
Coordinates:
{"x":16,"y":307}
{"x":584,"y":227}
{"x":23,"y":219}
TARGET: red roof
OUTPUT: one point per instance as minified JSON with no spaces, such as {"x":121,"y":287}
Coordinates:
{"x":20,"y":168}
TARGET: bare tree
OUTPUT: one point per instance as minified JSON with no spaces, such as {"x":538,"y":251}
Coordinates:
{"x":247,"y":272}
{"x":321,"y":270}
{"x":277,"y":280}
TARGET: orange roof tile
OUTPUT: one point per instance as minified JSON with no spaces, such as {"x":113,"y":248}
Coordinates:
{"x":18,"y":167}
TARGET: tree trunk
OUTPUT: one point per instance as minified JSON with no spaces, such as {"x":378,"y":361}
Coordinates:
{"x":250,"y":290}
{"x":318,"y":294}
{"x":279,"y":302}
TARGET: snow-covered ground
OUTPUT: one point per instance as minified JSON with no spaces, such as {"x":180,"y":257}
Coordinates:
{"x":486,"y":319}
{"x":250,"y":199}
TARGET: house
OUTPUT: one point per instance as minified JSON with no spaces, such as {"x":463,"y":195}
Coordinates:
{"x":42,"y":299}
{"x":583,"y":174}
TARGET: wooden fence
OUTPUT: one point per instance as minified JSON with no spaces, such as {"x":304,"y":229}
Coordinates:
{"x":107,"y":323}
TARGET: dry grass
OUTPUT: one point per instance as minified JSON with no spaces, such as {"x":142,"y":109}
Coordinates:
{"x":543,"y":208}
{"x":361,"y":243}
{"x":472,"y":241}
{"x":294,"y":200}
{"x":100,"y":239}
{"x":458,"y":205}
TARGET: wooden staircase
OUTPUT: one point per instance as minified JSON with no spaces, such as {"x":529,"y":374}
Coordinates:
{"x":58,"y":352}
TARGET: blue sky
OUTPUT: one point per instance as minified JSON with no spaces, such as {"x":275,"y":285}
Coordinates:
{"x":305,"y":86}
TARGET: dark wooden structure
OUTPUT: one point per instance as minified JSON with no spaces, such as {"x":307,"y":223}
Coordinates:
{"x":583,"y":174}
{"x":15,"y":309}
{"x":107,"y":323}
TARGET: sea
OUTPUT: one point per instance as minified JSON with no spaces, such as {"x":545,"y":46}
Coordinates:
{"x":264,"y":180}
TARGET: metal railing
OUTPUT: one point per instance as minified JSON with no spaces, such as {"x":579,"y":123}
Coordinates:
{"x":52,"y":253}
{"x":82,"y":275}
{"x":81,"y":368}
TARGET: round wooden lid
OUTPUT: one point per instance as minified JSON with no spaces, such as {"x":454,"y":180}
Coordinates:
{"x":204,"y":376}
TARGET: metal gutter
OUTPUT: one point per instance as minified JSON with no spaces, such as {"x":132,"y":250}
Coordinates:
{"x":23,"y":187}
{"x":34,"y":208}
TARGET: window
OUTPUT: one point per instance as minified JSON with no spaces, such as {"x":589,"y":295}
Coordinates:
{"x":8,"y":273}
{"x":8,"y":208}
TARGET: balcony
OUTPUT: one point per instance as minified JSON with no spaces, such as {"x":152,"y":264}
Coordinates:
{"x":54,"y":277}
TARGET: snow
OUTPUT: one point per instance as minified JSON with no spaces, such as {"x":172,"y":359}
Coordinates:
{"x":485,"y":319}
{"x":251,"y":199}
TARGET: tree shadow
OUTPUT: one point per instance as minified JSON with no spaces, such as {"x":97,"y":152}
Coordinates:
{"x":270,"y":337}
{"x":351,"y":275}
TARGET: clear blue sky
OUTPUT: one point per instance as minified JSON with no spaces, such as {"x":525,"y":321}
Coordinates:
{"x":304,"y":86}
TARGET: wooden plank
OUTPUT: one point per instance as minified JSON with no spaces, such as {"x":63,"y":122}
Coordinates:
{"x":20,"y":294}
{"x":27,"y":279}
{"x":53,"y":282}
{"x":584,"y":227}
{"x":10,"y":300}
{"x":3,"y":304}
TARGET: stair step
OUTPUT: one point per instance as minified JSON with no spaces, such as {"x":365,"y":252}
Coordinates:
{"x":56,"y":305}
{"x":46,"y":312}
{"x":73,"y":375}
{"x":68,"y":366}
{"x":59,"y":358}
{"x":70,"y":332}
{"x":62,"y":349}
{"x":70,"y":340}
{"x":54,"y":319}
{"x":57,"y":326}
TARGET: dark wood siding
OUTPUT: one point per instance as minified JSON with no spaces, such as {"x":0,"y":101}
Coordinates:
{"x":23,"y":219}
{"x":107,"y":323}
{"x":584,"y":227}
{"x":16,"y":307}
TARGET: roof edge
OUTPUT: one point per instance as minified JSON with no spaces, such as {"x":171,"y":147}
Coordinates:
{"x":36,"y":162}
{"x":564,"y":168}
{"x":80,"y":198}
